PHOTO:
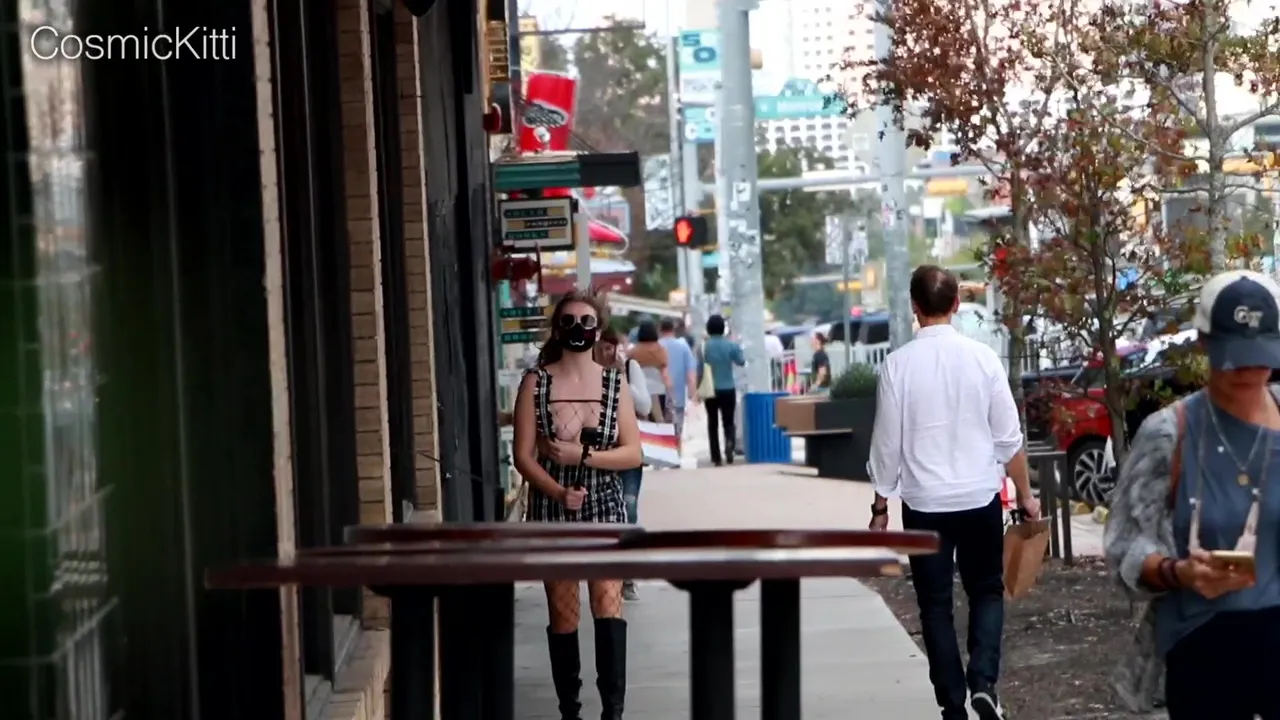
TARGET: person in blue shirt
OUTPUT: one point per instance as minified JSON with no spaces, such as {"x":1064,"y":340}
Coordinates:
{"x":721,"y":354}
{"x":1194,"y":526}
{"x":682,"y":371}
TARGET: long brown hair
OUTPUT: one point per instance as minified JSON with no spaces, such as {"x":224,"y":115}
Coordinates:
{"x":552,"y":350}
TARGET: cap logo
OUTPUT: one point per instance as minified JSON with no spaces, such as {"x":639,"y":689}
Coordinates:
{"x":1249,"y":318}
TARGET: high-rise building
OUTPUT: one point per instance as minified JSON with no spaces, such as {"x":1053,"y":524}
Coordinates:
{"x":809,"y":40}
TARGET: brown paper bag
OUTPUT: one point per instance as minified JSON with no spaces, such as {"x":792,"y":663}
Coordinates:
{"x":1024,"y":546}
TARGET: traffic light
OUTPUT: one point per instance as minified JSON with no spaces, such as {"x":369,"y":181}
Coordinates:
{"x":691,"y":231}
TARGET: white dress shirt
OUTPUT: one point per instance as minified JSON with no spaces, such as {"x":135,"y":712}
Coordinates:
{"x":945,"y":423}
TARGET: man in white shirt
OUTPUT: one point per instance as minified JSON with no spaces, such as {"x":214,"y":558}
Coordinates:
{"x":945,"y":424}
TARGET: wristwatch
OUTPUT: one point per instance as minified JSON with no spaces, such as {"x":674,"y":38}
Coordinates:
{"x":878,"y":511}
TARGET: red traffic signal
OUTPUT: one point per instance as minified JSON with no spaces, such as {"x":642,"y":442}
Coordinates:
{"x":691,"y":231}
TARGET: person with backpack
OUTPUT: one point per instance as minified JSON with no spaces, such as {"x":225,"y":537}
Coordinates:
{"x":1194,"y":526}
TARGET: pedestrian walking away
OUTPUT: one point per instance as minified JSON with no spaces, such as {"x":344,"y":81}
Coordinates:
{"x":652,"y":356}
{"x":608,"y":354}
{"x":1194,"y":526}
{"x":575,"y":432}
{"x":682,"y":372}
{"x":720,"y":355}
{"x":946,"y":434}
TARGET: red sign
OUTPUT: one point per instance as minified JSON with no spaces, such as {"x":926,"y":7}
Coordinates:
{"x":550,"y":102}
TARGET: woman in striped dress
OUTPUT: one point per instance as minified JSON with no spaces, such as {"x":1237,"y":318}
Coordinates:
{"x":575,"y":431}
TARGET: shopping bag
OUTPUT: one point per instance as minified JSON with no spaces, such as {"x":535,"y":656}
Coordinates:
{"x":658,"y":444}
{"x":706,"y":386}
{"x":1024,"y":546}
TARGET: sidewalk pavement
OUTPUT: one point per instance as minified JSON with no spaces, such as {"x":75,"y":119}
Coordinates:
{"x":854,"y":650}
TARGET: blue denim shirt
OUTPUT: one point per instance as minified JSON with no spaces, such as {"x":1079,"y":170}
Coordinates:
{"x":722,"y":355}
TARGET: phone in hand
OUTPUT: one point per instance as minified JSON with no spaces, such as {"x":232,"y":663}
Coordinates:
{"x":1237,"y":560}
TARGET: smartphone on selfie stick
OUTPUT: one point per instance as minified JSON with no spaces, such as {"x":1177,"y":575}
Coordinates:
{"x":589,"y":437}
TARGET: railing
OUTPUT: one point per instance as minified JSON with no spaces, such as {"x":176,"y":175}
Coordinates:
{"x":789,"y":375}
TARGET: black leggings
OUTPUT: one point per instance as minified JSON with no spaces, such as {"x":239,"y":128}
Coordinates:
{"x":1227,"y":669}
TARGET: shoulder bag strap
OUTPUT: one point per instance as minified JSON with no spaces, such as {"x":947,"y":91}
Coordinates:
{"x":1175,"y":462}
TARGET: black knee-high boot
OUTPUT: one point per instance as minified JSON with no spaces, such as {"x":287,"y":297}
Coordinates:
{"x":566,"y":672}
{"x":611,"y":666}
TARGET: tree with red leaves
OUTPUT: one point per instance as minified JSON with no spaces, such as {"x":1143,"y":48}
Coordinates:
{"x":1203,"y":79}
{"x":966,"y":70}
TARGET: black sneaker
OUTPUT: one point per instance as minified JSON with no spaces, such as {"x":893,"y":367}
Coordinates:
{"x":987,"y":705}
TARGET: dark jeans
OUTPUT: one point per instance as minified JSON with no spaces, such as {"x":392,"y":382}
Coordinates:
{"x":721,"y":408}
{"x":631,"y":492}
{"x":974,"y":540}
{"x":1226,"y":669}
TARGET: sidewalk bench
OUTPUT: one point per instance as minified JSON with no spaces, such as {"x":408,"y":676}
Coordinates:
{"x":471,"y":570}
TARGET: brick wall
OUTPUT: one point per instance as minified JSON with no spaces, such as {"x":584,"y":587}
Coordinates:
{"x":273,"y":283}
{"x":373,"y":454}
{"x":418,"y":255}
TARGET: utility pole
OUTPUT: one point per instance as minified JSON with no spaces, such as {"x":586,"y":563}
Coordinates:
{"x":893,"y":205}
{"x":691,"y":182}
{"x":741,"y":211}
{"x":846,"y":294}
{"x":674,"y":165}
{"x":724,"y":273}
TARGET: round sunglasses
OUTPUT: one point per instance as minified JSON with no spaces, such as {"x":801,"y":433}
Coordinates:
{"x":568,"y":321}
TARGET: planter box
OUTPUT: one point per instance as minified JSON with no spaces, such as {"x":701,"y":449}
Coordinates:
{"x":841,"y":444}
{"x":796,"y":415}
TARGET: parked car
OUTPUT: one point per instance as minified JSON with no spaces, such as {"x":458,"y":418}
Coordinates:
{"x":1082,"y":426}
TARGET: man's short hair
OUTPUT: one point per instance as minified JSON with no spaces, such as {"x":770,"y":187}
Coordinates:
{"x":667,"y":325}
{"x":934,"y":290}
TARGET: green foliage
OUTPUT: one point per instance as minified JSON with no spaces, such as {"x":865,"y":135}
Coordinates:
{"x":793,"y":222}
{"x":622,"y":90}
{"x":858,"y":382}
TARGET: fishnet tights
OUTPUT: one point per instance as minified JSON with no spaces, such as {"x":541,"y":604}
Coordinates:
{"x":564,"y":602}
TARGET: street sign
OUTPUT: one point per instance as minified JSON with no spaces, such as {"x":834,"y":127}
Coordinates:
{"x":525,"y":324}
{"x":525,"y":336}
{"x":700,"y":124}
{"x":834,"y":246}
{"x":539,"y":311}
{"x":699,"y":66}
{"x":781,"y":107}
{"x":544,"y":224}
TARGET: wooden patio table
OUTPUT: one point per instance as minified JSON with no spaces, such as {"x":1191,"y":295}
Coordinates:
{"x":472,"y":570}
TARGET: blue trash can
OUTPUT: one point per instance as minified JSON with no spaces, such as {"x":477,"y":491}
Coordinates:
{"x":763,"y":441}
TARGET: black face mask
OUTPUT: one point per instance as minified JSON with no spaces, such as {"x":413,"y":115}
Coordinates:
{"x":578,"y":339}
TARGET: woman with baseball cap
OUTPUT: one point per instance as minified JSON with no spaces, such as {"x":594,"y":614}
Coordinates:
{"x":1195,"y":522}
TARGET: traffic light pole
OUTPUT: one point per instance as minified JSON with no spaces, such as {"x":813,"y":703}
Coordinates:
{"x":742,"y":201}
{"x":674,"y":165}
{"x":697,"y":276}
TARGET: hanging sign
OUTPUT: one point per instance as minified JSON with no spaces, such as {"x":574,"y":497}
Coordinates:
{"x":533,"y":225}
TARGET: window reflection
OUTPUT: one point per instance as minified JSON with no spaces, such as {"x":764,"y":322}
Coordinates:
{"x":64,"y":278}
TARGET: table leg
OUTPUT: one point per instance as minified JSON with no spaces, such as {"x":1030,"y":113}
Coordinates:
{"x":711,"y":650}
{"x":413,"y":653}
{"x":780,"y":650}
{"x":499,"y":653}
{"x":463,"y":630}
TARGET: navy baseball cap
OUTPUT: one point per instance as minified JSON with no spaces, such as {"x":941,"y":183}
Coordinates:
{"x":1238,"y":319}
